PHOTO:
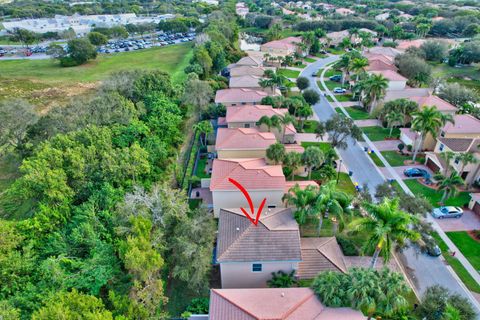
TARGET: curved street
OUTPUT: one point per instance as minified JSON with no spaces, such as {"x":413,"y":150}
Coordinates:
{"x":422,"y":270}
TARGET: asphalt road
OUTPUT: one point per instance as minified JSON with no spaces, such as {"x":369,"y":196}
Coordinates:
{"x":354,"y":158}
{"x":423,"y":271}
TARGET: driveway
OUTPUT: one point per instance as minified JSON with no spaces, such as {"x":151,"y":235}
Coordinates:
{"x":399,"y":171}
{"x":422,"y":270}
{"x":469,"y":221}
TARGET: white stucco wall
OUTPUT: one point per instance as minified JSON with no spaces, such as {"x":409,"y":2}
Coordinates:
{"x":240,"y":275}
{"x":235,"y":199}
{"x":396,"y":85}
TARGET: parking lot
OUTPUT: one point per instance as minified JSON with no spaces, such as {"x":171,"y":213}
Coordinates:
{"x":113,"y":46}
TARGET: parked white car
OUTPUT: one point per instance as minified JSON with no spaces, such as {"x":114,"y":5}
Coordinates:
{"x":447,"y":212}
{"x":339,"y":90}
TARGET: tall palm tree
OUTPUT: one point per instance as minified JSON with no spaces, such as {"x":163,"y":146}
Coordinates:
{"x":276,"y":153}
{"x":205,"y":128}
{"x":284,"y":121}
{"x":387,"y":226}
{"x":448,"y":184}
{"x":466,"y":158}
{"x":376,"y":88}
{"x":303,"y":113}
{"x":332,"y":202}
{"x":428,"y":120}
{"x":358,"y":66}
{"x":270,"y":122}
{"x":292,"y":161}
{"x":303,"y":200}
{"x":447,"y":156}
{"x":393,"y":118}
{"x":311,"y":158}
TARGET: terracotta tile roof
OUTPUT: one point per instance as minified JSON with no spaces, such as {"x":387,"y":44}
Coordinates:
{"x":378,"y":65}
{"x":457,"y":144}
{"x":251,"y":173}
{"x":246,"y":81}
{"x":405,"y":44}
{"x":252,"y":113}
{"x":302,"y":184}
{"x":286,"y":43}
{"x":390,"y":75}
{"x":464,"y":123}
{"x":406,"y":93}
{"x":432,"y":100}
{"x":381,"y":57}
{"x":387,"y":51}
{"x":294,"y":147}
{"x":275,"y":238}
{"x":274,"y":304}
{"x":243,"y":138}
{"x":239,"y":95}
{"x":237,"y":71}
{"x":320,"y":254}
{"x":249,"y":61}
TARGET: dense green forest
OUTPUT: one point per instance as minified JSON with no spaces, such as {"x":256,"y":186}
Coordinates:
{"x":95,"y":226}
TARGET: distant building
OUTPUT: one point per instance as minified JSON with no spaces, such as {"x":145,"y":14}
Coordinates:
{"x":283,"y":47}
{"x":81,"y":24}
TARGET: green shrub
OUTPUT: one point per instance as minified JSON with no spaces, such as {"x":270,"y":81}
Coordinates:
{"x":348,"y":248}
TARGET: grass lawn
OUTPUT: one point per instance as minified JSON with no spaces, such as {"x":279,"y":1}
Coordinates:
{"x":310,"y":228}
{"x":201,"y":165}
{"x":467,"y":76}
{"x":378,"y":133}
{"x":301,"y":65}
{"x":468,"y":246}
{"x":376,"y":159}
{"x":357,"y":113}
{"x":309,"y":126}
{"x":289,"y":73}
{"x":310,"y":60}
{"x":179,"y":297}
{"x":331,"y":84}
{"x":345,"y":184}
{"x":457,"y":266}
{"x":335,"y":51}
{"x":324,"y":146}
{"x":343,"y":97}
{"x":395,"y":159}
{"x":44,"y":81}
{"x":332,"y":72}
{"x":435,"y":196}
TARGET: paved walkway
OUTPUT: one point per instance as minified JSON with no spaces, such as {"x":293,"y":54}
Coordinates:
{"x":423,"y":271}
{"x":367,"y":123}
{"x":387,"y":145}
{"x":349,"y":103}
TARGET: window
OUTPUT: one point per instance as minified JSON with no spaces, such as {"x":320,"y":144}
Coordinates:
{"x":246,"y":125}
{"x":257,"y":267}
{"x":272,"y":206}
{"x":442,"y":134}
{"x":234,"y":104}
{"x":457,"y":160}
{"x":441,"y":146}
{"x":244,"y":103}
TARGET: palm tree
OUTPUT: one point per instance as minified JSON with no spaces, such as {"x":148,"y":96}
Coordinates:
{"x":205,"y":128}
{"x":303,"y":200}
{"x":428,"y":120}
{"x":332,"y":202}
{"x":447,"y":156}
{"x":284,"y":121}
{"x":276,"y":153}
{"x":270,"y":122}
{"x":466,"y":158}
{"x":344,"y":64}
{"x":358,"y":66}
{"x":387,"y":226}
{"x":303,"y":113}
{"x":292,"y":161}
{"x":393,"y":118}
{"x":311,"y":158}
{"x":448,"y":184}
{"x":376,"y":88}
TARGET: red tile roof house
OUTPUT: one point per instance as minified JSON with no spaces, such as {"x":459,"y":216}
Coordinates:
{"x":283,"y":47}
{"x":379,"y":65}
{"x":248,"y":253}
{"x":243,"y":143}
{"x":260,"y":179}
{"x":250,"y":82}
{"x":274,"y":304}
{"x":237,"y":71}
{"x":247,"y":117}
{"x":395,"y":80}
{"x":239,"y":96}
{"x":461,"y":137}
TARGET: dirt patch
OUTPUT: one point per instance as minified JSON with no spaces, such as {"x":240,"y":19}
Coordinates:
{"x":475,"y":235}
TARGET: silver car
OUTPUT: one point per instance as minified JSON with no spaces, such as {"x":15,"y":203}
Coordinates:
{"x":447,"y":212}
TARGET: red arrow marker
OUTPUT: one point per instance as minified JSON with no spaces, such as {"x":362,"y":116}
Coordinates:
{"x":250,"y":203}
